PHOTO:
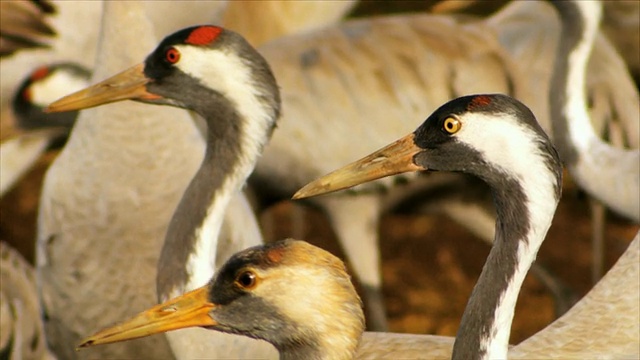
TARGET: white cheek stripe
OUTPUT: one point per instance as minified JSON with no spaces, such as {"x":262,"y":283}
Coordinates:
{"x":230,"y":75}
{"x":511,"y":146}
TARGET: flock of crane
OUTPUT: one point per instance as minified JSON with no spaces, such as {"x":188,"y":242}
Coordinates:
{"x":145,"y":204}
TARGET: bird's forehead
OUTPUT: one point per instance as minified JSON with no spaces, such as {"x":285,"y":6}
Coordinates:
{"x":274,"y":255}
{"x":259,"y":257}
{"x":470,"y":104}
{"x":462,"y":106}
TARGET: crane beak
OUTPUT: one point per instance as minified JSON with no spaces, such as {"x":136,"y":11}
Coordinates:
{"x":129,"y":84}
{"x":393,"y":159}
{"x":188,"y":310}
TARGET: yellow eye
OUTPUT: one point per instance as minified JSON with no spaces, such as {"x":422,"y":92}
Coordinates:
{"x":452,"y":125}
{"x":247,"y":279}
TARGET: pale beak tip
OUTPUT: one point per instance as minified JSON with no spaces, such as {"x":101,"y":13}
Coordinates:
{"x":298,"y":195}
{"x":55,"y":107}
{"x":84,"y":344}
{"x":309,"y":190}
{"x":87,"y":342}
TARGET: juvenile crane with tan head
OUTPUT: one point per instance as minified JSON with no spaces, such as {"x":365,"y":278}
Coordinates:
{"x":252,"y":295}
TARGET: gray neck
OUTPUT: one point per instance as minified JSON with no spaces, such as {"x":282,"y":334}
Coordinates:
{"x":479,"y":324}
{"x":190,"y":244}
{"x":524,"y":210}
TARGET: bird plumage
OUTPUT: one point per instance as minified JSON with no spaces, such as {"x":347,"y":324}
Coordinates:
{"x":191,"y":69}
{"x":470,"y":134}
{"x":562,"y":339}
{"x":249,"y":296}
{"x":595,"y":165}
{"x":34,"y":131}
{"x":406,"y":65}
{"x":604,"y":324}
{"x":44,"y":85}
{"x":435,"y":149}
{"x":96,"y":141}
{"x":241,"y":112}
{"x":262,"y":21}
{"x":106,"y":201}
{"x":24,"y":25}
{"x":430,"y":147}
{"x":21,"y":327}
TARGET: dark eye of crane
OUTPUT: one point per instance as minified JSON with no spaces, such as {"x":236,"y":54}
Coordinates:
{"x":452,"y":125}
{"x":172,"y":55}
{"x":246,"y":279}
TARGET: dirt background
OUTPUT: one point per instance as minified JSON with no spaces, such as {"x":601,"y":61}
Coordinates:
{"x":430,"y":264}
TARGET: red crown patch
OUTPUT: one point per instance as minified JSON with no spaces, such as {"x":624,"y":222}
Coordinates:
{"x":203,"y":35}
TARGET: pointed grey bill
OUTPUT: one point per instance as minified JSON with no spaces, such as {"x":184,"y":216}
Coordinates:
{"x":393,"y":159}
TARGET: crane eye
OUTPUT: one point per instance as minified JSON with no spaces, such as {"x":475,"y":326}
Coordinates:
{"x":452,"y":125}
{"x":246,"y":279}
{"x":172,"y":55}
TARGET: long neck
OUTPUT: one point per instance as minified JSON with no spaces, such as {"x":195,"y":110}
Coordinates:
{"x":524,"y":213}
{"x":571,"y":125}
{"x":233,"y":146}
{"x":610,"y":174}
